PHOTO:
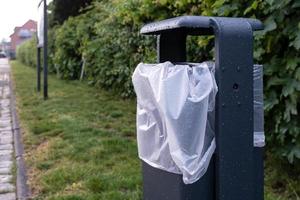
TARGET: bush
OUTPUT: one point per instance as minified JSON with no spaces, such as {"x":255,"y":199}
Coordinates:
{"x":107,"y":38}
{"x":66,"y":55}
{"x":27,"y":52}
{"x":115,"y":50}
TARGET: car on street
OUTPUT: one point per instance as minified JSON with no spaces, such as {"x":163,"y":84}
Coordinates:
{"x":2,"y":55}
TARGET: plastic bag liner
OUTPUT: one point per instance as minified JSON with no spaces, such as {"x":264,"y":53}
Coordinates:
{"x":175,"y":117}
{"x":259,"y":135}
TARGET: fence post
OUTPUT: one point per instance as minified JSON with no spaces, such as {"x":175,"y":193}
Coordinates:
{"x":45,"y":48}
{"x":38,"y":67}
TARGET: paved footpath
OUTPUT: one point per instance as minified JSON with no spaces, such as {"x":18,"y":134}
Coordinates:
{"x":7,"y":159}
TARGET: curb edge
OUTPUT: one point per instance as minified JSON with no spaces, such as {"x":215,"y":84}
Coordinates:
{"x":22,"y":190}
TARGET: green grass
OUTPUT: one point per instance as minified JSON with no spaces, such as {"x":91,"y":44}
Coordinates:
{"x":80,"y":144}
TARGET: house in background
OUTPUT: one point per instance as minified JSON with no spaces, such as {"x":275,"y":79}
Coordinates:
{"x":21,"y":34}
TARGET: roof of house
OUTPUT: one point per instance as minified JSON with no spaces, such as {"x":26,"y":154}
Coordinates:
{"x":17,"y":28}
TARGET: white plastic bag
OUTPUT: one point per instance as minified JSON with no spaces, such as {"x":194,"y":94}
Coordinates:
{"x":259,"y":135}
{"x":175,"y":118}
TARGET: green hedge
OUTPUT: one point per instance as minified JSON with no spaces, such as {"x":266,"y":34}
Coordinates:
{"x":107,"y":38}
{"x":27,"y":52}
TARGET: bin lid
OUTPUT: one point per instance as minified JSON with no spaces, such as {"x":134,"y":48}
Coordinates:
{"x":193,"y":25}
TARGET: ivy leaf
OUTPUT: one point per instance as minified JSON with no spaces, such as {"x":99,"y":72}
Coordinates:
{"x":290,"y":87}
{"x":297,"y":74}
{"x":290,"y":108}
{"x":294,"y":153}
{"x":270,"y":2}
{"x":292,"y":63}
{"x":275,"y":81}
{"x":258,"y":53}
{"x":252,"y":7}
{"x":296,"y":4}
{"x":296,"y":42}
{"x":270,"y":24}
{"x":218,"y":3}
{"x":271,"y":101}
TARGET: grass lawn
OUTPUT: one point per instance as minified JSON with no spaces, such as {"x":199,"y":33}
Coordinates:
{"x":80,"y":144}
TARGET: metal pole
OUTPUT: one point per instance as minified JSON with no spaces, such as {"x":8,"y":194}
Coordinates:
{"x":45,"y":51}
{"x":38,"y":69}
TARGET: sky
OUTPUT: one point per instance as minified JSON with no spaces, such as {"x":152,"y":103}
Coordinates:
{"x":15,"y":13}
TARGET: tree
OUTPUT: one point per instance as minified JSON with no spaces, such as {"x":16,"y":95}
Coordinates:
{"x":61,"y":10}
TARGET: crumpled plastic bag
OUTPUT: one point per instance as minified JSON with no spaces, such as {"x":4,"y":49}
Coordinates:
{"x":175,"y":116}
{"x":259,"y":135}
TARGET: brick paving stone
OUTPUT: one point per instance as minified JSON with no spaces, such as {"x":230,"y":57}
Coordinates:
{"x":6,"y":157}
{"x":5,"y":152}
{"x":8,"y":132}
{"x":7,"y":188}
{"x":8,"y":196}
{"x":4,"y":129}
{"x":6,"y":147}
{"x":5,"y":179}
{"x":5,"y":170}
{"x":5,"y":112}
{"x":5,"y":135}
{"x":6,"y":164}
{"x":6,"y":116}
{"x":5,"y":120}
{"x":6,"y":139}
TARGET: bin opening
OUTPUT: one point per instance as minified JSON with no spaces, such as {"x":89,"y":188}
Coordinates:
{"x":176,"y":118}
